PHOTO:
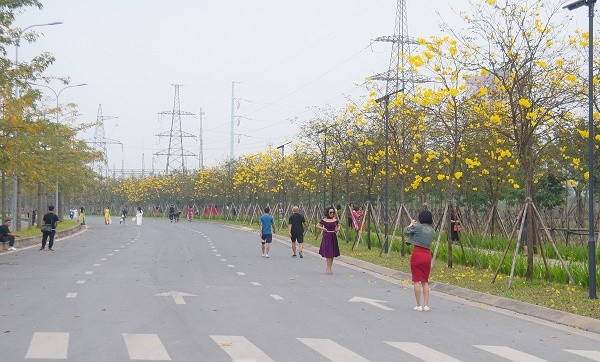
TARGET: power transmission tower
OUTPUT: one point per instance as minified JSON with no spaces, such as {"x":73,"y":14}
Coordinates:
{"x":398,"y":75}
{"x":175,"y":153}
{"x":201,"y":144}
{"x":100,"y":142}
{"x":232,"y":130}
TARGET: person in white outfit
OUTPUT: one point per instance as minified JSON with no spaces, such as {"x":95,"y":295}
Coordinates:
{"x":138,"y":216}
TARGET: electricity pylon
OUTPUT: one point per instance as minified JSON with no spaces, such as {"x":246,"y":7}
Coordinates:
{"x":100,"y":141}
{"x":175,"y":153}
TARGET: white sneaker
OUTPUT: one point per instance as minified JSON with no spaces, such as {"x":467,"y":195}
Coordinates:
{"x":263,"y":255}
{"x":12,"y":248}
{"x":418,"y":308}
{"x":426,"y":309}
{"x":266,"y":255}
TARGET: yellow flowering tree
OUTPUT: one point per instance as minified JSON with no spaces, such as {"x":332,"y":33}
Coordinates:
{"x":525,"y":67}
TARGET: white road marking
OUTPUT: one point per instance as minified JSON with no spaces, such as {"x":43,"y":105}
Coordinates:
{"x":217,"y":254}
{"x":255,"y":283}
{"x":373,"y":302}
{"x":231,"y":266}
{"x":593,"y":355}
{"x":223,"y":259}
{"x":103,"y":259}
{"x":240,"y":349}
{"x":48,"y":345}
{"x":422,"y":352}
{"x":241,"y":273}
{"x":510,"y":353}
{"x":71,"y":295}
{"x":81,"y":282}
{"x":331,"y":350}
{"x":276,"y":297}
{"x":177,"y":296}
{"x":96,"y":264}
{"x":145,"y":347}
{"x":116,"y":249}
{"x":110,"y":254}
{"x":89,"y":272}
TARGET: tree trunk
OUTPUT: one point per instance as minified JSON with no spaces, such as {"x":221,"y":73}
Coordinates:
{"x":531,"y":228}
{"x":17,"y":221}
{"x":40,"y":204}
{"x":3,"y":201}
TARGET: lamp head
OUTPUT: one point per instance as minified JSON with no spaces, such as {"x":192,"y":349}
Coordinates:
{"x":576,"y":4}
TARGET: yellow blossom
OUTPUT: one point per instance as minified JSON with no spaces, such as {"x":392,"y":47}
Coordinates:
{"x":524,"y":102}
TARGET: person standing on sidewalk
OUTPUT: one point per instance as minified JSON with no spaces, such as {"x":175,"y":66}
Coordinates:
{"x":6,"y":235}
{"x":296,"y":225}
{"x":50,"y":220}
{"x":420,"y":234}
{"x":267,"y":228}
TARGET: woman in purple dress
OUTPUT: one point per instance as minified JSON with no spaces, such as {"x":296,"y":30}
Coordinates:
{"x":329,"y":244}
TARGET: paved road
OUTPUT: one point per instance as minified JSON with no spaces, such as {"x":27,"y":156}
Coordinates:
{"x":202,"y":292}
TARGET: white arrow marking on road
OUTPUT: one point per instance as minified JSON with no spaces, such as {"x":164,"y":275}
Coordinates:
{"x":177,"y":296}
{"x":373,"y":302}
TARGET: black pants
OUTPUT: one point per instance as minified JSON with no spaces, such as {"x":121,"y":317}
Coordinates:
{"x":9,"y":238}
{"x":45,"y":235}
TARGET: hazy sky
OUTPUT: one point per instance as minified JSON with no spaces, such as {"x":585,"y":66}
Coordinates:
{"x":289,"y":57}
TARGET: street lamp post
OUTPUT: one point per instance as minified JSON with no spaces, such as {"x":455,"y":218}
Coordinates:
{"x":282,"y":148}
{"x":591,"y":130}
{"x":324,"y":132}
{"x":57,"y":95}
{"x":386,"y":99}
{"x":15,"y":190}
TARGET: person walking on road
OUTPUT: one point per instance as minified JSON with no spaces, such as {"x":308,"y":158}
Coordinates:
{"x":6,"y":235}
{"x":139,"y":214}
{"x":107,"y":219}
{"x":124,"y":214}
{"x":420,"y":235}
{"x":50,"y":220}
{"x":296,"y":225}
{"x":171,"y":213}
{"x":82,"y":216}
{"x":189,"y":212}
{"x":329,"y":248}
{"x":267,"y":228}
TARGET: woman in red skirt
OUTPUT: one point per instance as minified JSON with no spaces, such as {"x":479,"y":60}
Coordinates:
{"x":420,"y":234}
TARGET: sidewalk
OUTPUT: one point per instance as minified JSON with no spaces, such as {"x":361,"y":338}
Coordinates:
{"x":33,"y":240}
